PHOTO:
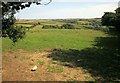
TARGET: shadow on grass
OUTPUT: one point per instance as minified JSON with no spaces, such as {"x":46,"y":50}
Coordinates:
{"x":102,"y":60}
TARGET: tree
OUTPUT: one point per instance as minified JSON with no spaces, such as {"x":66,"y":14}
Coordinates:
{"x":108,"y":19}
{"x":8,"y":20}
{"x":118,"y":10}
{"x":112,"y":19}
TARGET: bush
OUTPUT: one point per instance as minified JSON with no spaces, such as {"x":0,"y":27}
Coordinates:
{"x":67,"y":26}
{"x":112,"y":19}
{"x":51,"y":27}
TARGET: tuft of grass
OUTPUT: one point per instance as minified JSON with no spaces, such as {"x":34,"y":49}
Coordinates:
{"x":55,"y":62}
{"x":55,"y":69}
{"x":40,"y":62}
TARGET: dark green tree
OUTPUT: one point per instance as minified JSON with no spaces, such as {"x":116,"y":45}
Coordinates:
{"x":108,"y":19}
{"x":112,"y":19}
{"x":118,"y":10}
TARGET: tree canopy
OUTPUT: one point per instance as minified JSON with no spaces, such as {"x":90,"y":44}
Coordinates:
{"x":112,"y":19}
{"x":8,"y":20}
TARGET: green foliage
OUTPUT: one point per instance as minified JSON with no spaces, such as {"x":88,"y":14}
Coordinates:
{"x":9,"y":30}
{"x":16,"y":33}
{"x":70,"y":21}
{"x":117,"y":22}
{"x":8,"y":19}
{"x":51,"y":27}
{"x":67,"y":26}
{"x":118,"y":10}
{"x":64,"y":26}
{"x":109,"y":19}
{"x":94,"y":24}
{"x":112,"y":19}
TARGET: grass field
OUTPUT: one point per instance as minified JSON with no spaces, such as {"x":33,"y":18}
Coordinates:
{"x":61,"y":55}
{"x":43,"y":22}
{"x":63,"y":39}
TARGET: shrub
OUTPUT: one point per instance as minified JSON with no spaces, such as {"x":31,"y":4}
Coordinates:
{"x":67,"y":26}
{"x":51,"y":27}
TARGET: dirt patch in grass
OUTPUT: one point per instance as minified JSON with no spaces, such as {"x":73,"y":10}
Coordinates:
{"x":17,"y":65}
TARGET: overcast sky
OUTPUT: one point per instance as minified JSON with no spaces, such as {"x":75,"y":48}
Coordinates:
{"x":60,"y":9}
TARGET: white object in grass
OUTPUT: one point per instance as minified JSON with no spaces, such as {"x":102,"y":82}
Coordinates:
{"x":34,"y":68}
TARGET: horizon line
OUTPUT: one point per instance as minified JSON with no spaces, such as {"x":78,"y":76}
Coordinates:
{"x":55,"y":18}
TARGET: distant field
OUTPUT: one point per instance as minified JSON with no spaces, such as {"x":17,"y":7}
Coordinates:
{"x":27,"y":25}
{"x":77,"y":23}
{"x":64,"y":39}
{"x":43,"y":22}
{"x":52,"y":23}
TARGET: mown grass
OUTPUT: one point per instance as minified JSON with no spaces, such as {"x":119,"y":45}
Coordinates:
{"x":63,"y":39}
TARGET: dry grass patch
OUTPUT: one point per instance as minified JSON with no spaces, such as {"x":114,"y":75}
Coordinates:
{"x":18,"y":68}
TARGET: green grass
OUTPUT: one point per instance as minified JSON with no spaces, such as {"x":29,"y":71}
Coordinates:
{"x":55,"y":69}
{"x":64,"y":39}
{"x":38,"y":27}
